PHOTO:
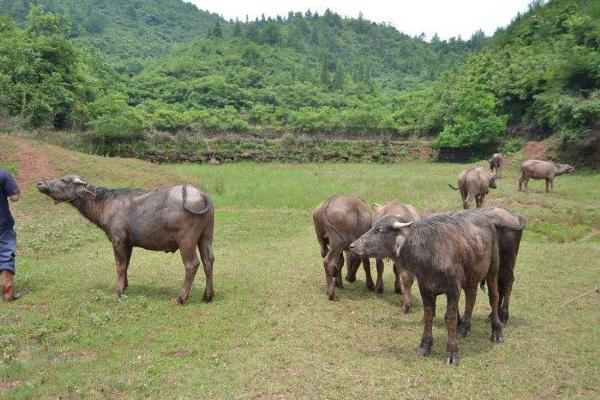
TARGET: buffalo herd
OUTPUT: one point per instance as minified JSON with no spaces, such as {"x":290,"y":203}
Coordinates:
{"x":446,"y":253}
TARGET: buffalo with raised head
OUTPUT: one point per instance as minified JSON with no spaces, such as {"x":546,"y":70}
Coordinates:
{"x":166,"y":219}
{"x":447,"y":254}
{"x":339,"y":221}
{"x":474,"y":183}
{"x":536,"y":169}
{"x":403,"y":278}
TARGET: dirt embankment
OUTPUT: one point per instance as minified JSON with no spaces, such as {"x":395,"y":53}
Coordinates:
{"x":536,"y":150}
{"x":33,"y":162}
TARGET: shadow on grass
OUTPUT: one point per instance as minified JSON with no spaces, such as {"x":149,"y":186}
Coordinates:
{"x":160,"y":292}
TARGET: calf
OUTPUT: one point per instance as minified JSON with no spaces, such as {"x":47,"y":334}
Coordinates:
{"x":447,"y":254}
{"x":167,"y":219}
{"x":403,"y":278}
{"x":338,"y":221}
{"x":496,"y":162}
{"x":474,"y":183}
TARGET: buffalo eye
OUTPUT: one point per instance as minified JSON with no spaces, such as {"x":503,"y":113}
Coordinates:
{"x":379,"y":230}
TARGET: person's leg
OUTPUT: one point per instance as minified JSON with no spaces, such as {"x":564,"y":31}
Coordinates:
{"x":8,"y":243}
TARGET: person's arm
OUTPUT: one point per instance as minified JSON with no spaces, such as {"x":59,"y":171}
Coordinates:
{"x":11,"y":188}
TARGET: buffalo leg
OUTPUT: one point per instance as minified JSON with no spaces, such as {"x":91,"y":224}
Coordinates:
{"x":369,"y":279}
{"x":329,"y":263}
{"x":451,"y":318}
{"x":397,"y":281}
{"x":129,"y":252}
{"x":492,"y":283}
{"x":352,"y":267}
{"x":407,"y":282}
{"x":428,"y":314}
{"x":337,"y":279}
{"x":208,"y":258}
{"x":465,"y":323}
{"x":467,"y":202}
{"x":521,"y":181}
{"x":547,"y":184}
{"x":191,"y":263}
{"x":504,"y":289}
{"x":120,"y":251}
{"x":380,"y":268}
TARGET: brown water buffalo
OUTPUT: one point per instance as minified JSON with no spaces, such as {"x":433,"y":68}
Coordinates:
{"x":339,"y":221}
{"x":404,"y":279}
{"x":547,"y":170}
{"x":166,"y":219}
{"x":496,"y":162}
{"x":510,"y":228}
{"x":447,"y":254}
{"x":474,"y":183}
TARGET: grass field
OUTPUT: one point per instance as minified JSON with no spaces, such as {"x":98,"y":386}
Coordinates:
{"x":270,"y":332}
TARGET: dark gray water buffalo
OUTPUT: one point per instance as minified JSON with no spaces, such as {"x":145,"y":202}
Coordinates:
{"x":404,"y":279}
{"x":447,"y":254}
{"x":474,"y":183}
{"x":166,"y":219}
{"x":339,"y":221}
{"x":509,"y":228}
{"x":547,"y":170}
{"x":496,"y":162}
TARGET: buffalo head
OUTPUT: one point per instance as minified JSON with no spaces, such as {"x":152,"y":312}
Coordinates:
{"x":67,"y":188}
{"x":384,"y":240}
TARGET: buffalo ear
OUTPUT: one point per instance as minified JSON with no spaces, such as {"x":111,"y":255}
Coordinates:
{"x":400,"y":239}
{"x":85,"y":193}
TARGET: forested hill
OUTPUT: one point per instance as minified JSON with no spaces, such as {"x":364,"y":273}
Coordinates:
{"x":166,"y":67}
{"x":123,"y":29}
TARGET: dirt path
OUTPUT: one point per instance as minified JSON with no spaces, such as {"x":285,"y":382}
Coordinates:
{"x":33,"y":162}
{"x":536,"y":150}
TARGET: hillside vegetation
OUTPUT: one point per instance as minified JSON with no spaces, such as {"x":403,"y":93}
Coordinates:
{"x":121,"y":77}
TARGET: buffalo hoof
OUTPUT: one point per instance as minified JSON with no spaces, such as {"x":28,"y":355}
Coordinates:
{"x":405,"y":308}
{"x":424,"y":351}
{"x":338,"y":284}
{"x":497,"y":337}
{"x":177,"y":301}
{"x":11,"y":297}
{"x":463,"y":330}
{"x":351,"y":278}
{"x":379,"y":289}
{"x":334,"y":297}
{"x":452,"y":358}
{"x":207,"y":298}
{"x":398,"y":290}
{"x":117,"y":296}
{"x":370,"y":285}
{"x":503,"y":317}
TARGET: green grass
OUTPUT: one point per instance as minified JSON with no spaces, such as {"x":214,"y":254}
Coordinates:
{"x":270,"y":331}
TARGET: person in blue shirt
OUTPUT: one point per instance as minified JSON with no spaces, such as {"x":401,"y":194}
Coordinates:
{"x":8,"y":236}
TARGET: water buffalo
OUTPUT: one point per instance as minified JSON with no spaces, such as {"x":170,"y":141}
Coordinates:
{"x":404,"y":279}
{"x":496,"y":162}
{"x":547,"y":170}
{"x":166,"y":219}
{"x":509,"y":228}
{"x":338,"y":221}
{"x":474,"y":183}
{"x":447,"y":254}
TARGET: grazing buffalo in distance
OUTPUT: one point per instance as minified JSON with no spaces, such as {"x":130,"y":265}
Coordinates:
{"x":474,"y":183}
{"x":496,"y":162}
{"x":447,"y":253}
{"x":547,"y":170}
{"x":166,"y":219}
{"x":509,"y":228}
{"x":404,"y":279}
{"x":338,"y":221}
